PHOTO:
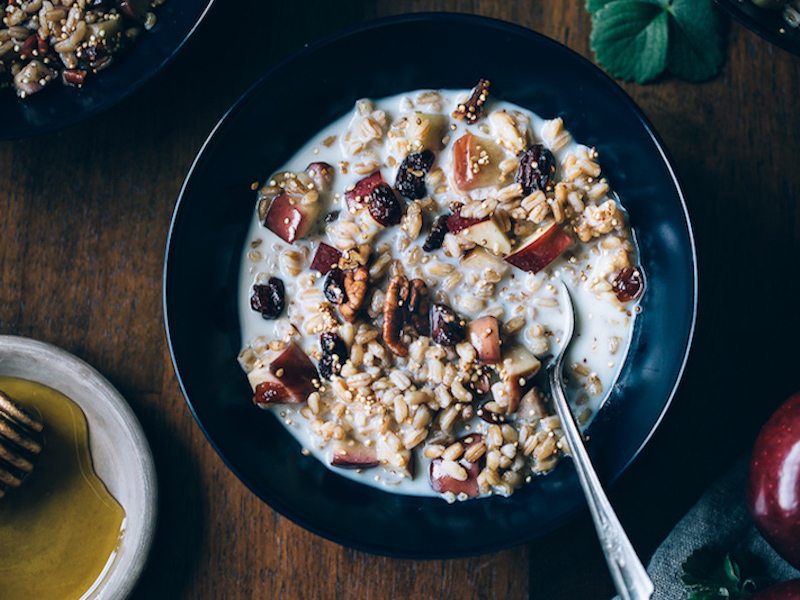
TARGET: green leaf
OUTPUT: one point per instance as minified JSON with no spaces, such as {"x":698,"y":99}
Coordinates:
{"x":630,"y":39}
{"x":594,"y":5}
{"x":696,"y":39}
{"x":731,"y":569}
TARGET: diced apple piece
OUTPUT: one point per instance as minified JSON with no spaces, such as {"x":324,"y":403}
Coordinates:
{"x":321,"y":173}
{"x":541,"y":248}
{"x":480,"y":260}
{"x":489,"y":235}
{"x":456,"y":222}
{"x":325,"y":258}
{"x":270,"y":392}
{"x":517,"y":369}
{"x":289,"y":219}
{"x":426,"y":131}
{"x":286,"y":377}
{"x":354,"y":457}
{"x":519,"y":363}
{"x":484,"y":335}
{"x":476,"y":162}
{"x":358,"y":197}
{"x":442,"y":482}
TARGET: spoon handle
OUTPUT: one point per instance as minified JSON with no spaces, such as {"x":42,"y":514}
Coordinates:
{"x":627,"y":571}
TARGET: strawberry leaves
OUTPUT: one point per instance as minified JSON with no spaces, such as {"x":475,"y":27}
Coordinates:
{"x":712,"y":574}
{"x":638,"y":40}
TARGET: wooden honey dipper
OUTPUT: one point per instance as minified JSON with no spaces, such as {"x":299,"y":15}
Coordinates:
{"x":20,"y":443}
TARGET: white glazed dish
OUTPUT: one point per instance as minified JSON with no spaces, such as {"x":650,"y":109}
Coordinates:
{"x":120,"y":452}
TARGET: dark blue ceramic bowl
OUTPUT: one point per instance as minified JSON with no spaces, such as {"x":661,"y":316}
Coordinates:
{"x":769,"y":24}
{"x":267,"y":125}
{"x":58,"y":106}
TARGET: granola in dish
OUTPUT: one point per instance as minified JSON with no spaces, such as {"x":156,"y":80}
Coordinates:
{"x":42,"y":41}
{"x":397,"y":292}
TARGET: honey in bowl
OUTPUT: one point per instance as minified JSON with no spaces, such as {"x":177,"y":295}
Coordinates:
{"x":60,"y":530}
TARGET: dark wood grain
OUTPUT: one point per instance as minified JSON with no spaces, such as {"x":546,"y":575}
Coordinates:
{"x":85,"y":214}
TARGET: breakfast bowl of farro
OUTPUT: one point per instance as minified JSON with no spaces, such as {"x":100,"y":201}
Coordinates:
{"x":62,"y":61}
{"x":381,"y":270}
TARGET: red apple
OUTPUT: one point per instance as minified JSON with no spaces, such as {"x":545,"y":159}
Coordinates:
{"x":476,"y":162}
{"x":358,"y":197}
{"x":773,"y":493}
{"x":456,"y":222}
{"x":286,"y":377}
{"x":325,"y":258}
{"x":489,"y":235}
{"x":541,"y":248}
{"x":271,"y":392}
{"x":518,"y":368}
{"x":484,"y":334}
{"x":788,"y":590}
{"x":354,"y":457}
{"x":442,"y":483}
{"x":321,"y":173}
{"x":289,"y":219}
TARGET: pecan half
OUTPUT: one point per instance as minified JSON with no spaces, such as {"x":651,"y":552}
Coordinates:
{"x":355,"y":287}
{"x":394,"y":309}
{"x":472,"y":109}
{"x":418,"y":306}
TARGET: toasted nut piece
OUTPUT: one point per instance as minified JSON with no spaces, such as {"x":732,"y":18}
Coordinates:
{"x":419,"y":306}
{"x":355,"y":286}
{"x":397,"y":296}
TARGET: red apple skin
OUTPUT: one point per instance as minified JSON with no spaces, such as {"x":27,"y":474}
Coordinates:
{"x":456,"y":222}
{"x":321,"y":174}
{"x":788,"y":590}
{"x":286,"y":219}
{"x":773,"y":494}
{"x":465,"y":154}
{"x":441,"y":483}
{"x":271,"y":392}
{"x":325,"y":258}
{"x":539,"y":252}
{"x":357,"y":197}
{"x":484,"y":335}
{"x":295,"y":371}
{"x":355,"y":457}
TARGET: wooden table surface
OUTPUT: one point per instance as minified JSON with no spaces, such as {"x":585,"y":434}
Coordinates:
{"x":85,"y":214}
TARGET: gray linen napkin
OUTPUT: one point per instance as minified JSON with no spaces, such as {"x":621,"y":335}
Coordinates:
{"x":720,"y":517}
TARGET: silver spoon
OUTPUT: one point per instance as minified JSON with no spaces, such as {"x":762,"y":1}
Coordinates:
{"x":627,"y":571}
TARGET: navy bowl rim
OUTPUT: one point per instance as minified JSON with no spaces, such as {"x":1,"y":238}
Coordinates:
{"x":773,"y":37}
{"x":287,"y":511}
{"x":111,"y":101}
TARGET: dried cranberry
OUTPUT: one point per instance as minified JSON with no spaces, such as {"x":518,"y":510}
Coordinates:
{"x":410,"y":180}
{"x":269,"y":298}
{"x":334,"y":286}
{"x":537,"y":166}
{"x":435,"y":238}
{"x":447,"y":328}
{"x":384,"y":205}
{"x":628,"y":284}
{"x":334,"y":354}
